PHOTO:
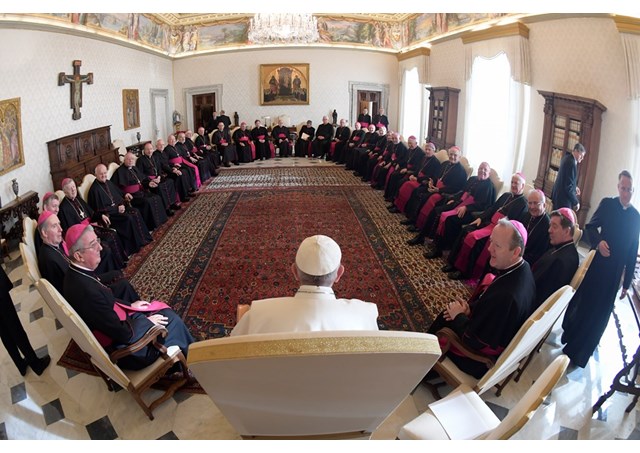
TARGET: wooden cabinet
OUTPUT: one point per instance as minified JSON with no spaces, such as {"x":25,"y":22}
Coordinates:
{"x":567,"y":121}
{"x":443,"y":116}
{"x":76,"y":155}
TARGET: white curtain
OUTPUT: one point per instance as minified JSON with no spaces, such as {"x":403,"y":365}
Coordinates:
{"x":631,"y":45}
{"x":515,"y":47}
{"x":496,"y":109}
{"x":412,"y":102}
{"x":421,"y":63}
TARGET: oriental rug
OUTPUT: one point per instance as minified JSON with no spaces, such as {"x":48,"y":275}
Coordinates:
{"x":236,"y":241}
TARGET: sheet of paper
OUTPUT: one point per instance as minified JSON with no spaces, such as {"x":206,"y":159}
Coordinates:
{"x":460,"y":418}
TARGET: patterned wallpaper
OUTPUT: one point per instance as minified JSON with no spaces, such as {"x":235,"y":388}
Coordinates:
{"x":31,"y":63}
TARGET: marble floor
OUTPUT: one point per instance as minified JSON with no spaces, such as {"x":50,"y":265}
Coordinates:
{"x":61,"y":404}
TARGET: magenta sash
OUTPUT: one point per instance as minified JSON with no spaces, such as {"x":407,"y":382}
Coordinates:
{"x":260,"y":137}
{"x":389,"y":173}
{"x":273,"y":149}
{"x":364,"y":125}
{"x":332,"y":148}
{"x":175,"y":160}
{"x":426,"y":210}
{"x":356,"y":138}
{"x":439,"y":184}
{"x":195,"y":169}
{"x":253,"y":150}
{"x":282,"y":136}
{"x":470,"y":241}
{"x":133,"y":188}
{"x":405,"y":193}
{"x":466,"y":200}
{"x":244,"y":138}
{"x":152,"y":177}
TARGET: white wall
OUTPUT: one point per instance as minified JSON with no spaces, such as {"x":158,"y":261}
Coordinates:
{"x":31,"y":61}
{"x":330,"y":71}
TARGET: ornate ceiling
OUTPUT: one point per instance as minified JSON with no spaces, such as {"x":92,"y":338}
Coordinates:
{"x":200,"y":19}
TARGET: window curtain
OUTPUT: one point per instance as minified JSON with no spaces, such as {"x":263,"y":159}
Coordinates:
{"x":631,"y":46}
{"x":421,"y":63}
{"x":509,"y":158}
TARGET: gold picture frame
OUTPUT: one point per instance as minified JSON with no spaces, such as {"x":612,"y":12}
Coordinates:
{"x":130,"y":109}
{"x":284,"y":84}
{"x":11,"y":135}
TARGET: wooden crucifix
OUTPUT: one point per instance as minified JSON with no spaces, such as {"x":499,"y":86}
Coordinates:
{"x":75,"y":82}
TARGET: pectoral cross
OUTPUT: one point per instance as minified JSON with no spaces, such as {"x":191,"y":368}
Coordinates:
{"x":75,"y":81}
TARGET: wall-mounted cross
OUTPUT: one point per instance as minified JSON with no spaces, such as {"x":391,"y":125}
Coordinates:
{"x":75,"y":82}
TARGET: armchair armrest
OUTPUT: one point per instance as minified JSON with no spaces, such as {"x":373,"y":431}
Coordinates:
{"x":452,"y":338}
{"x":151,"y":336}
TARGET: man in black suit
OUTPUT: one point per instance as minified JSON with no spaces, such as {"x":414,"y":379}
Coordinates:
{"x":565,"y":190}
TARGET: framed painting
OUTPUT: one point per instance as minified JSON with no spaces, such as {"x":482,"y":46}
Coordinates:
{"x":130,"y":109}
{"x":11,"y":135}
{"x":284,"y":84}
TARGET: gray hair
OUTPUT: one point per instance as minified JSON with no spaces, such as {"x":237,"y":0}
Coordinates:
{"x":317,"y":280}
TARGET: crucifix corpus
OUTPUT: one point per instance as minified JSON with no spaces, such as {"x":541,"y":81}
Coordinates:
{"x":75,"y":82}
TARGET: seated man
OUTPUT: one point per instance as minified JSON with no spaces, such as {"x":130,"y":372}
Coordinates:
{"x":114,"y":322}
{"x":468,"y":242}
{"x":362,"y":150}
{"x":489,"y":320}
{"x":537,"y":222}
{"x":314,"y":307}
{"x":204,"y":158}
{"x":203,"y":143}
{"x":305,"y":136}
{"x":280,"y":135}
{"x":245,"y":147}
{"x":394,"y":157}
{"x":336,"y":149}
{"x":402,"y":171}
{"x":260,"y":137}
{"x":51,"y":203}
{"x":53,"y":260}
{"x":189,"y":158}
{"x":106,"y":198}
{"x":425,"y":174}
{"x":74,"y":209}
{"x":135,"y":186}
{"x":324,"y":134}
{"x":149,"y":164}
{"x":222,"y":139}
{"x":558,"y":265}
{"x":187,"y":181}
{"x":354,"y":142}
{"x":455,"y":210}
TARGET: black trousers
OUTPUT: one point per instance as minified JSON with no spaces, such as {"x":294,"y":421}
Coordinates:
{"x":13,"y":336}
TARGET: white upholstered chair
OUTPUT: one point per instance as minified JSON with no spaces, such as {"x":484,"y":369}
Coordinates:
{"x":463,"y":415}
{"x":111,"y":169}
{"x":29,"y":227}
{"x":122,"y":149}
{"x":339,"y":384}
{"x":516,"y":355}
{"x":83,"y":188}
{"x":60,"y":195}
{"x":498,"y":183}
{"x":30,"y":262}
{"x":442,"y":155}
{"x":135,"y":382}
{"x":582,"y":270}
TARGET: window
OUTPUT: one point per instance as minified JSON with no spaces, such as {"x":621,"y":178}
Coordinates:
{"x":412,"y":103}
{"x":495,"y":129}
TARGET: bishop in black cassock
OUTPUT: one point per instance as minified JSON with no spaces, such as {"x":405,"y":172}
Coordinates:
{"x":106,"y":198}
{"x":150,"y":165}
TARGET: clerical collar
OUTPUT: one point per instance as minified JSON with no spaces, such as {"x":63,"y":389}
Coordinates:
{"x":82,"y":268}
{"x":561,"y":246}
{"x":623,"y":206}
{"x":309,"y":289}
{"x":503,"y":272}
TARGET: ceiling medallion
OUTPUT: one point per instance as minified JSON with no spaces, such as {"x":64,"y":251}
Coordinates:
{"x":288,"y":28}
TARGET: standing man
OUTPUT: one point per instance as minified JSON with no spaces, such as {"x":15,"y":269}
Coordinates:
{"x":314,"y":307}
{"x":224,"y":119}
{"x":381,"y":119}
{"x":613,"y":231}
{"x":565,"y":190}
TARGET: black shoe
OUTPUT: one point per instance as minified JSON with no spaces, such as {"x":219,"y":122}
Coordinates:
{"x":432,"y":254}
{"x":40,"y":364}
{"x":413,"y":229}
{"x":406,"y":222}
{"x":227,"y":164}
{"x":416,"y":240}
{"x":175,"y":207}
{"x":394,"y":210}
{"x":22,"y":367}
{"x":236,"y":163}
{"x":455,"y":275}
{"x":447,"y":268}
{"x":170,"y":213}
{"x":186,"y":199}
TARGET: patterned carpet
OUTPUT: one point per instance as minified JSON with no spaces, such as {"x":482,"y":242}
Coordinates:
{"x":235,"y":242}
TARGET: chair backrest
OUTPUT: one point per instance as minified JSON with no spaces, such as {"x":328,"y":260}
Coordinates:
{"x":312,"y":384}
{"x":83,"y":188}
{"x":497,"y":182}
{"x":119,"y":145}
{"x":111,"y":169}
{"x":60,"y":195}
{"x":526,"y":339}
{"x":467,"y":167}
{"x":582,"y":270}
{"x":524,"y":409}
{"x":79,"y":332}
{"x":577,"y":235}
{"x":30,"y":262}
{"x":442,"y":155}
{"x":29,"y":228}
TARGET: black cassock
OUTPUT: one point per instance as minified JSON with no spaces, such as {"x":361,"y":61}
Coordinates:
{"x":243,"y":142}
{"x":94,"y":303}
{"x":554,"y":270}
{"x":260,"y":138}
{"x":203,"y":143}
{"x":496,"y":315}
{"x":186,"y":152}
{"x":537,"y":237}
{"x":77,"y":211}
{"x":105,"y":198}
{"x":320,"y":147}
{"x":131,"y":181}
{"x":302,"y":145}
{"x":54,"y":265}
{"x":280,"y":135}
{"x":222,"y":140}
{"x":354,"y":141}
{"x":151,"y":168}
{"x":185,"y":183}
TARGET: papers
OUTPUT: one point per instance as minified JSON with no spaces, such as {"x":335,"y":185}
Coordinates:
{"x":304,"y":136}
{"x":464,"y":415}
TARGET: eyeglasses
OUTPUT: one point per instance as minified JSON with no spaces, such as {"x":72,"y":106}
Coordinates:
{"x":92,"y":245}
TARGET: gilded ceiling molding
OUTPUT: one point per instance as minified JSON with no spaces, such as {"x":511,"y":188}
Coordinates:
{"x":499,"y":31}
{"x":414,"y":53}
{"x":626,"y":24}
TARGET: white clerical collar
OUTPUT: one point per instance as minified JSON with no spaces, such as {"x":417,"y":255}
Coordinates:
{"x":623,"y":206}
{"x":317,"y":290}
{"x":82,"y":267}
